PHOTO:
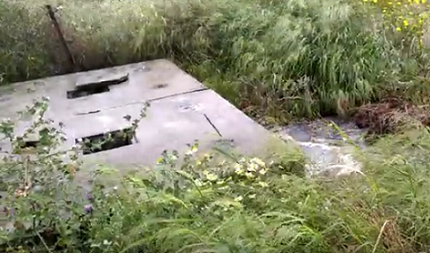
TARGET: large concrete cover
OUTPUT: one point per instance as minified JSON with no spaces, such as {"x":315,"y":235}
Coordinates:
{"x":181,"y":111}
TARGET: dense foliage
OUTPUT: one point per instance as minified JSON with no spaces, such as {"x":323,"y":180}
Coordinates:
{"x":275,"y":59}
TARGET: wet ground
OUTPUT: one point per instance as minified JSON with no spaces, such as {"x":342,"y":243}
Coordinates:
{"x":327,"y":149}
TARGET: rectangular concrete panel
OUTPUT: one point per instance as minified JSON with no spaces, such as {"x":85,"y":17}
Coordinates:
{"x":182,"y":110}
{"x":91,"y":104}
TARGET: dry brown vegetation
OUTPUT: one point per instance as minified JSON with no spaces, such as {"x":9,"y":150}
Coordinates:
{"x":391,"y":115}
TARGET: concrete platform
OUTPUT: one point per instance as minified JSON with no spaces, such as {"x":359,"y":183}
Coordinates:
{"x":182,"y":110}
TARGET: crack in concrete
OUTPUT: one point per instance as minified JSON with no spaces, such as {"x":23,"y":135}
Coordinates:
{"x":86,"y":113}
{"x":139,"y":102}
{"x":178,"y":94}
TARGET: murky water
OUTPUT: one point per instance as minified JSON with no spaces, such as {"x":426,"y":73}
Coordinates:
{"x":328,"y":151}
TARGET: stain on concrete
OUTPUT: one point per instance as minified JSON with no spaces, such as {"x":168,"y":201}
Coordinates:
{"x":38,"y":83}
{"x":142,"y":69}
{"x":160,"y":86}
{"x":4,"y":98}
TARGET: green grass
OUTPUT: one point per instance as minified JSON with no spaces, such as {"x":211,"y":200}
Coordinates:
{"x":277,"y":60}
{"x":292,"y":58}
{"x":208,"y":206}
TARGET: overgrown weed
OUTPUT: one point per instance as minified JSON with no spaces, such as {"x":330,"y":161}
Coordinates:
{"x":281,"y":59}
{"x":217,"y":205}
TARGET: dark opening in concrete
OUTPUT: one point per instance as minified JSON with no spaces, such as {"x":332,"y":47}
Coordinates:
{"x":25,"y":147}
{"x":106,"y":141}
{"x":30,"y":144}
{"x":87,"y":91}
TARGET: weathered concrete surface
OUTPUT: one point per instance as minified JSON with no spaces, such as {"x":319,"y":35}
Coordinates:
{"x":182,"y":110}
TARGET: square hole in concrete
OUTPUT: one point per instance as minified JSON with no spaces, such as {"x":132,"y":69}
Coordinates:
{"x":87,"y":91}
{"x":26,"y":147}
{"x":106,"y":141}
{"x":88,"y":85}
{"x":30,"y":144}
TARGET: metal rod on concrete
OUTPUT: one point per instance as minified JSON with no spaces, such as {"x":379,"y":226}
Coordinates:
{"x":61,"y":36}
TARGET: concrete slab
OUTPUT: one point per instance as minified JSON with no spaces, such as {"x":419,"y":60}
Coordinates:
{"x":182,"y":110}
{"x":146,"y":81}
{"x":95,"y":103}
{"x":171,"y":124}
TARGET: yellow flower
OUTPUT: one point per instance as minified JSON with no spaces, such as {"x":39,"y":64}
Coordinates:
{"x":263,"y":171}
{"x":398,"y":29}
{"x":240,"y":172}
{"x":238,"y":169}
{"x":210,"y":176}
{"x":223,"y":188}
{"x":198,"y":182}
{"x":249,"y":175}
{"x":405,"y":22}
{"x":237,"y":166}
{"x":258,"y":161}
{"x":238,"y":199}
{"x":194,"y":148}
{"x":174,"y":158}
{"x":160,"y":160}
{"x":252,"y":167}
{"x":263,"y":184}
{"x":192,"y":151}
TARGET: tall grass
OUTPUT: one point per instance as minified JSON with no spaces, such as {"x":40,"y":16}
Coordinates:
{"x":238,"y":206}
{"x":292,"y":58}
{"x":280,"y":58}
